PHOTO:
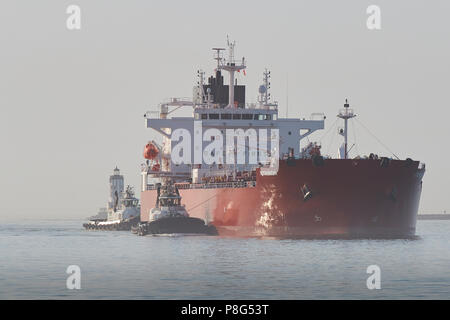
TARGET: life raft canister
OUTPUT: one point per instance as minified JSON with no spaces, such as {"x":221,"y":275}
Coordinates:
{"x":150,"y":151}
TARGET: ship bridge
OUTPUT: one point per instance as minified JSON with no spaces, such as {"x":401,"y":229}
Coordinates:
{"x":222,"y":107}
{"x":259,"y":114}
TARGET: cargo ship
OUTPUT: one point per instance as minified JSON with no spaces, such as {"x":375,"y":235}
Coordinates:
{"x":289,"y":191}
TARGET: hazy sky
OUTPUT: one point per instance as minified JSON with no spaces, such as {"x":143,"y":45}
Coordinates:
{"x":72,"y":101}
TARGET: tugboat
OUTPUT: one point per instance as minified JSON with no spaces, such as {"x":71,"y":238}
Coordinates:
{"x":170,"y":216}
{"x":123,"y":210}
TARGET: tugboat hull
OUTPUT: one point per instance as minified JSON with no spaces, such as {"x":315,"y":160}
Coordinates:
{"x":176,"y":225}
{"x":125,"y":225}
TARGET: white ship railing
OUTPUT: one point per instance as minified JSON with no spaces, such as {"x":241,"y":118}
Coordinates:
{"x":152,"y":114}
{"x":346,"y":112}
{"x":219,"y":185}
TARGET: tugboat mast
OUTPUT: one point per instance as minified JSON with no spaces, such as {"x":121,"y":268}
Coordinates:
{"x":346,"y":114}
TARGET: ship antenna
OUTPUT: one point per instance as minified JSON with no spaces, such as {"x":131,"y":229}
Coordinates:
{"x":264,"y":89}
{"x":346,"y":114}
{"x":267,"y":85}
{"x":201,"y":82}
{"x":218,"y":56}
{"x":231,"y":66}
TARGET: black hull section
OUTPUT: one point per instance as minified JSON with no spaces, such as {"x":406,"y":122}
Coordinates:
{"x":176,"y":225}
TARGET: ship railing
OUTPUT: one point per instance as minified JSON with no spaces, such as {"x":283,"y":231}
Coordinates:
{"x":207,"y":106}
{"x":346,"y":112}
{"x":317,"y":116}
{"x":258,"y":106}
{"x":171,"y":102}
{"x":152,"y":114}
{"x":178,"y":102}
{"x":232,"y":62}
{"x":216,"y":185}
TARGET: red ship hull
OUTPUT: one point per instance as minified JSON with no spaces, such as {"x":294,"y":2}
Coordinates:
{"x":348,"y":198}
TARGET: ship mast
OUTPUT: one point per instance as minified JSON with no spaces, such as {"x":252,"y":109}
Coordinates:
{"x":266,"y":77}
{"x":346,"y":114}
{"x":230,"y":66}
{"x":264,"y":95}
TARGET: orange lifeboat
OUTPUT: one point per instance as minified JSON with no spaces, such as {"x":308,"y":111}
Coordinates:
{"x":156,"y":167}
{"x":150,"y":151}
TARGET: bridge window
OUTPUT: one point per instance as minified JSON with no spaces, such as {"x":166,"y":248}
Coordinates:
{"x":225,"y":116}
{"x":204,"y":116}
{"x":214,"y":116}
{"x":237,"y":116}
{"x":262,"y":117}
{"x":247,"y":116}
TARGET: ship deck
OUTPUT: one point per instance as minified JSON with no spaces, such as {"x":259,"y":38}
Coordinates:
{"x":216,"y":185}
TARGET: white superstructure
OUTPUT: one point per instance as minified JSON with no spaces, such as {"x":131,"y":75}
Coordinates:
{"x":219,"y":106}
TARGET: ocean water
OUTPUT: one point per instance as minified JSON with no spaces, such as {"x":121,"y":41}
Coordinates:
{"x":34,"y":256}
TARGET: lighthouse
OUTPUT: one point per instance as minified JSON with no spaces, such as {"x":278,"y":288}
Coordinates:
{"x":116,"y":187}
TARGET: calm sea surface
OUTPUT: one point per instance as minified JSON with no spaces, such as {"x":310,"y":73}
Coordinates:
{"x":34,"y":256}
